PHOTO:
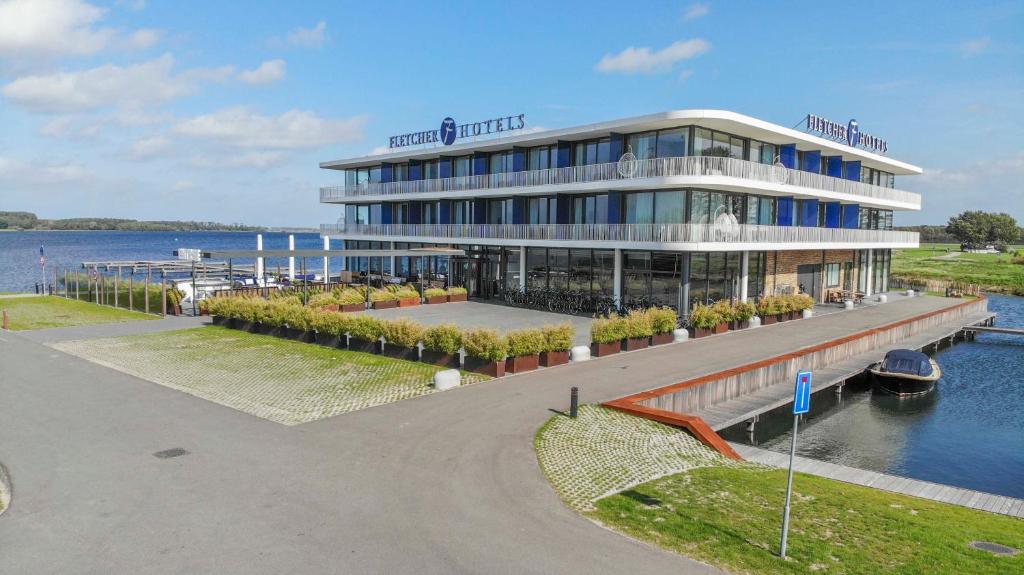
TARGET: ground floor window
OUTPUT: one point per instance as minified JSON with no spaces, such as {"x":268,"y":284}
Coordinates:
{"x":832,"y":275}
{"x":588,"y":271}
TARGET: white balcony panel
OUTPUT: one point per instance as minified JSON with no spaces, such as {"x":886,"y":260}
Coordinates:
{"x":693,"y":171}
{"x":675,"y":237}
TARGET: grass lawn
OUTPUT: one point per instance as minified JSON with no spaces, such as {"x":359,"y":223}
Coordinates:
{"x":285,"y":381}
{"x":994,"y":271}
{"x":50,"y":311}
{"x":732,"y":517}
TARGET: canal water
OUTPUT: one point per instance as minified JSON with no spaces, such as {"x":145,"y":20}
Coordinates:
{"x":969,"y":432}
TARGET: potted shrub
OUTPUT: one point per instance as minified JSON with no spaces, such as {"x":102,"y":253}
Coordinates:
{"x":725,"y":315}
{"x":457,"y":294}
{"x":663,"y":322}
{"x":350,"y":299}
{"x":296,"y":323}
{"x":638,"y":330}
{"x":557,"y":343}
{"x":204,"y":306}
{"x":408,"y":297}
{"x":769,"y":308}
{"x":741,"y":314}
{"x":174,"y":296}
{"x":802,"y":304}
{"x":441,"y":345}
{"x":606,"y":334}
{"x":245,"y":315}
{"x":323,"y":301}
{"x":364,"y":334}
{"x":485,"y":351}
{"x":401,"y":337}
{"x":384,"y":299}
{"x":524,"y":347}
{"x":219,"y":308}
{"x":704,"y":320}
{"x":329,"y":328}
{"x":436,"y":295}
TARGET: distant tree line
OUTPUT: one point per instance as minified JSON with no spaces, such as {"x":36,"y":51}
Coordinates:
{"x":29,"y":221}
{"x":977,"y":229}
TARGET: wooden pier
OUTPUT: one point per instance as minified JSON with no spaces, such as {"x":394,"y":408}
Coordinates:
{"x":993,"y":329}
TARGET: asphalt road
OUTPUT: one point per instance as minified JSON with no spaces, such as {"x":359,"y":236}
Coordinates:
{"x":444,"y":483}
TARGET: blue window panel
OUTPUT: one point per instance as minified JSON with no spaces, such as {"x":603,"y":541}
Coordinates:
{"x":563,"y":159}
{"x":614,"y":207}
{"x":444,"y":167}
{"x":853,"y":171}
{"x":519,"y":210}
{"x":564,"y":203}
{"x":851,"y":216}
{"x":787,"y":155}
{"x":480,"y":211}
{"x":415,"y":211}
{"x":518,"y":159}
{"x":812,"y":162}
{"x":386,"y":173}
{"x":809,"y":218}
{"x":444,"y":211}
{"x":832,"y":214}
{"x":386,"y":211}
{"x":479,"y":163}
{"x":834,"y":166}
{"x":785,"y":211}
{"x":617,"y":146}
{"x":415,"y":170}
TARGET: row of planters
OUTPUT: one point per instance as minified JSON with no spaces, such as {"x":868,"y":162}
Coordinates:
{"x":636,"y":330}
{"x":724,"y":315}
{"x":354,"y":298}
{"x":486,"y":350}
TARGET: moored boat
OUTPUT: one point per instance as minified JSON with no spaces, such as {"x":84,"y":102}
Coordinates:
{"x":906,"y":372}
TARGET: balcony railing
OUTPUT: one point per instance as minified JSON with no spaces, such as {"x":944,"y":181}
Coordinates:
{"x":625,"y":233}
{"x":618,"y":171}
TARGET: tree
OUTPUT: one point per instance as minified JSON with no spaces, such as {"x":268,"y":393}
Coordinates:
{"x":977,"y":228}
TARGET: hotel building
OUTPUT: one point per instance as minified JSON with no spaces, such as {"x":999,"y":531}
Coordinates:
{"x":672,"y":208}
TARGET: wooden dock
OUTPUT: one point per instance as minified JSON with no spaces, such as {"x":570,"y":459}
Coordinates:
{"x":993,"y":329}
{"x":1000,"y":504}
{"x":746,"y":407}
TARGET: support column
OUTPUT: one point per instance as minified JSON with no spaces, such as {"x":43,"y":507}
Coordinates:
{"x":868,"y":288}
{"x":327,"y":260}
{"x":684,"y":286}
{"x":392,"y":262}
{"x":617,"y":293}
{"x":522,"y":268}
{"x":259,"y":261}
{"x":744,"y":274}
{"x":291,"y":259}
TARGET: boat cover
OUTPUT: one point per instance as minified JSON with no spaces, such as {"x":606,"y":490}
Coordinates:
{"x":907,"y":361}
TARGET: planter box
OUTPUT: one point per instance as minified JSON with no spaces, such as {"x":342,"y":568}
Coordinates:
{"x":174,"y":309}
{"x":408,"y":302}
{"x":491,"y":368}
{"x":521,"y":363}
{"x":739,"y":324}
{"x":351,"y":307}
{"x":698,"y":332}
{"x":399,"y":352}
{"x":603,"y":349}
{"x":244,"y":325}
{"x":795,"y":315}
{"x":328,"y":340}
{"x":460,"y":297}
{"x":662,"y":338}
{"x":385,"y":304}
{"x":553,"y":358}
{"x":204,"y":311}
{"x":220,"y":320}
{"x":331,"y":307}
{"x":267,"y":329}
{"x":440,"y":358}
{"x":437,"y":299}
{"x":721,"y":328}
{"x":357,"y":344}
{"x":298,"y":334}
{"x":635,"y":343}
{"x":781,"y":317}
{"x":768,"y":319}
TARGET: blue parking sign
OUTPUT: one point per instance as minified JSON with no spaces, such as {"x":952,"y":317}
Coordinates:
{"x":802,"y":397}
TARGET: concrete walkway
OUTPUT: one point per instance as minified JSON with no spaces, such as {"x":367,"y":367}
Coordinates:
{"x":924,"y":489}
{"x":444,"y":483}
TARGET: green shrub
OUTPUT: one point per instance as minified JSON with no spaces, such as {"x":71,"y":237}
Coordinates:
{"x":349,"y":296}
{"x":444,"y":338}
{"x":744,"y":310}
{"x":434,"y":292}
{"x":800,"y":302}
{"x":724,"y":310}
{"x":663,"y":319}
{"x":407,"y":294}
{"x":485,"y":344}
{"x":455,"y":290}
{"x":403,"y":332}
{"x":296,"y":317}
{"x":322,"y":300}
{"x":638,"y":324}
{"x":768,"y":306}
{"x":608,"y":329}
{"x":558,"y":337}
{"x":366,"y":328}
{"x":383,"y":295}
{"x":704,"y":317}
{"x":525,"y":342}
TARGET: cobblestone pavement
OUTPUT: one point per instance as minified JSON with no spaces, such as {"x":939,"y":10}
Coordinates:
{"x":284,"y":381}
{"x":603,"y":452}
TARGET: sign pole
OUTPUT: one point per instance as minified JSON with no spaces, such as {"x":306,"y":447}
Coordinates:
{"x":801,"y":405}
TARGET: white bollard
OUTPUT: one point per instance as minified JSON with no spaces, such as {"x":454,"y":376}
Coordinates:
{"x":882,"y":298}
{"x":848,"y":304}
{"x":808,"y":313}
{"x":755,"y":321}
{"x":447,"y":379}
{"x":580,"y":353}
{"x":910,"y":293}
{"x":679,"y":335}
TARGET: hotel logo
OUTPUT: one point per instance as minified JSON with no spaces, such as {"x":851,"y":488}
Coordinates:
{"x":450,"y":131}
{"x":850,"y":134}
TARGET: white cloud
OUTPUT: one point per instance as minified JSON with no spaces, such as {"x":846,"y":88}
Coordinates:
{"x":134,"y":5}
{"x":267,"y":73}
{"x":16,"y":172}
{"x":150,"y":147}
{"x":974,"y":47}
{"x":634,"y":60}
{"x":314,"y":37}
{"x":108,"y":86}
{"x":685,"y":74}
{"x":31,"y":29}
{"x":991,"y":185}
{"x":255,"y":159}
{"x":694,"y":11}
{"x":243,"y":128}
{"x":182,"y":186}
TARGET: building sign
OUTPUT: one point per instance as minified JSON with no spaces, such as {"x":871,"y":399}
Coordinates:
{"x":450,"y":131}
{"x":850,"y":133}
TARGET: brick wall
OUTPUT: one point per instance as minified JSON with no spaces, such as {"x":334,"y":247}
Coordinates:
{"x":781,"y":269}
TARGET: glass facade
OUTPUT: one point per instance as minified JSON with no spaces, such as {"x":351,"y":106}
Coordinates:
{"x":589,"y":209}
{"x":542,"y":210}
{"x":592,"y":152}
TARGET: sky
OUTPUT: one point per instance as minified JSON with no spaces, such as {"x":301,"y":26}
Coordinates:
{"x":221,"y":111}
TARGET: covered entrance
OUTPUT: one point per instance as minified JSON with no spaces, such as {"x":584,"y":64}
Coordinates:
{"x":479,"y":271}
{"x":809,"y":280}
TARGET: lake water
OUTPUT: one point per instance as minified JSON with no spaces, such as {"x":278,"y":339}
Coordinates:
{"x":19,"y":251}
{"x":969,"y":432}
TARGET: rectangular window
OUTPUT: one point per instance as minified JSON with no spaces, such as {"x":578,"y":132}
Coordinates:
{"x":463,"y":166}
{"x":639,"y":208}
{"x":670,"y":207}
{"x":673,"y":143}
{"x":542,"y":157}
{"x":400,"y":172}
{"x":604,"y":272}
{"x":579,"y":270}
{"x":832,"y":275}
{"x":430,"y":170}
{"x":699,"y":207}
{"x":536,"y":268}
{"x":644,"y":146}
